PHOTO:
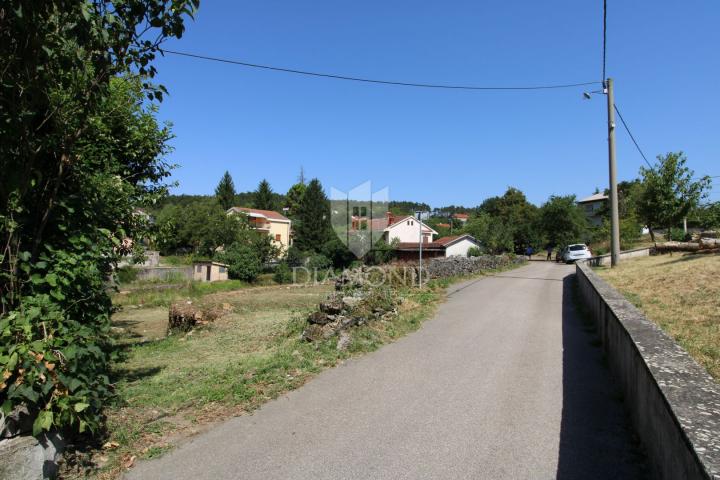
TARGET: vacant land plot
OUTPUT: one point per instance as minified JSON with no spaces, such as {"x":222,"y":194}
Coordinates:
{"x":169,"y":388}
{"x":681,"y":293}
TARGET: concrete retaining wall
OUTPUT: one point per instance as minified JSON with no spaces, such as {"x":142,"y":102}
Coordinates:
{"x":673,"y":402}
{"x":604,"y":260}
{"x":164,"y":273}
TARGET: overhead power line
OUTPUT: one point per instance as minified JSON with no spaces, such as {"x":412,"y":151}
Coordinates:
{"x":369,"y":80}
{"x":604,"y":38}
{"x":632,"y":137}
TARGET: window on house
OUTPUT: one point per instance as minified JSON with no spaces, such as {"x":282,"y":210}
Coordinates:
{"x":356,"y":211}
{"x":363,"y":211}
{"x":277,"y":237}
{"x":198,"y":269}
{"x":223,"y":269}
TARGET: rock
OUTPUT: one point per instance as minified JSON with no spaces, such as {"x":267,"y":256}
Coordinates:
{"x":28,"y":458}
{"x":332,"y":305}
{"x":313,"y":333}
{"x":319,"y":318}
{"x":343,"y":341}
{"x":350,"y":302}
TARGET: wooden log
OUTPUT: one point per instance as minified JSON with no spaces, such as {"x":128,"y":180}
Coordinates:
{"x":678,"y":247}
{"x":706,"y":243}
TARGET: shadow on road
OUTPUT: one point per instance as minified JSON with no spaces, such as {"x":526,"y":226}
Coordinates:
{"x":596,"y":438}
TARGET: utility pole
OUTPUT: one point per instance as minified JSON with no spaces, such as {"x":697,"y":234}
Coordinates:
{"x":614,"y":215}
{"x":419,"y":214}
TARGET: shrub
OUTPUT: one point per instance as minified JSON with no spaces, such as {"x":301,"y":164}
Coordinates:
{"x":243,"y":262}
{"x":295,"y":257}
{"x":283,"y":273}
{"x":126,"y":275}
{"x":474,"y":252}
{"x":321,"y":262}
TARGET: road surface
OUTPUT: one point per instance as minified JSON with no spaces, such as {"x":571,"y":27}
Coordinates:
{"x":506,"y":382}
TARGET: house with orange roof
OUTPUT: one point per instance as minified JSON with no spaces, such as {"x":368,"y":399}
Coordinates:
{"x":278,"y":226}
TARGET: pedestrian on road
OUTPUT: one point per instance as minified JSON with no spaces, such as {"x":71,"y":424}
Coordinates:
{"x":549,"y":253}
{"x":529,"y":252}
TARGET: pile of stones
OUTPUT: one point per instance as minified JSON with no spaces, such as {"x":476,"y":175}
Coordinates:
{"x":351,"y":304}
{"x":186,"y":316}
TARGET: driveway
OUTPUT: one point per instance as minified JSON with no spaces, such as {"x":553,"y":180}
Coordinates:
{"x":506,"y":382}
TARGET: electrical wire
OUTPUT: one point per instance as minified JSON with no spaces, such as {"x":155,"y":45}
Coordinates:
{"x":632,"y":137}
{"x":604,"y":38}
{"x":368,"y":80}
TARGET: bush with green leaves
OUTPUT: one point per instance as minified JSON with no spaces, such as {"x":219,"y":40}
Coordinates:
{"x":81,"y":150}
{"x":242,"y":260}
{"x":283,"y":273}
{"x":474,"y":252}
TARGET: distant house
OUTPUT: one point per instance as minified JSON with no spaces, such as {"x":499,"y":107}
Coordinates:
{"x":443,"y":225}
{"x":406,"y":229}
{"x":210,"y":271}
{"x":461,"y":217}
{"x":278,"y":226}
{"x":592,"y":206}
{"x":456,"y":245}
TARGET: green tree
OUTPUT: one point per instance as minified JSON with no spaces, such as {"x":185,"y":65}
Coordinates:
{"x":225,"y":191}
{"x":312,"y":226}
{"x":562,"y":222}
{"x":201,"y":227}
{"x":513,"y":214}
{"x":81,"y":149}
{"x":264,"y":199}
{"x":669,"y":192}
{"x":294,"y":198}
{"x":242,"y":260}
{"x":492,"y":233}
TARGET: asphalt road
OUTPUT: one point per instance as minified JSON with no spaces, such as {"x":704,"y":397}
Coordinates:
{"x":506,"y":382}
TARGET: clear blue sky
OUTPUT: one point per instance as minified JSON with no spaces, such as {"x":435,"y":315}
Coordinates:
{"x":440,"y":147}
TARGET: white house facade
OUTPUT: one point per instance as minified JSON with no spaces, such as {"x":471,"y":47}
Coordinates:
{"x":407,"y":230}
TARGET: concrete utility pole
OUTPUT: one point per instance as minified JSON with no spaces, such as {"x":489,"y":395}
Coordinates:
{"x":614,"y":215}
{"x":419,"y":216}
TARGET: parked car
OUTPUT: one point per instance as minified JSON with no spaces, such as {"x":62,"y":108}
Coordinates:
{"x":577,"y":251}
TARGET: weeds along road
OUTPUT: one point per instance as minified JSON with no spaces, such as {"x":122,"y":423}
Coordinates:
{"x":505,"y":382}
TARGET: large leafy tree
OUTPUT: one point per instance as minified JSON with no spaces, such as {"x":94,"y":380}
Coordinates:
{"x":512,"y":213}
{"x":312,"y":227}
{"x":80,"y":150}
{"x":294,"y":198}
{"x":669,"y":192}
{"x":225,"y":191}
{"x":562,"y":222}
{"x":264,"y":198}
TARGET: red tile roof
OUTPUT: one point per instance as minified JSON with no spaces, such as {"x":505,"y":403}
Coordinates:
{"x":461,"y":216}
{"x":450,"y":239}
{"x":416,"y":246}
{"x":267,"y":213}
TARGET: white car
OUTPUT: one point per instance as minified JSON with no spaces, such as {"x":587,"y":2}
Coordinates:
{"x":578,"y":251}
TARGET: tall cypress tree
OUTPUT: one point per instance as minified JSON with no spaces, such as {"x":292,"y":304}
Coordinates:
{"x":225,"y":191}
{"x":312,"y":228}
{"x":263,"y":198}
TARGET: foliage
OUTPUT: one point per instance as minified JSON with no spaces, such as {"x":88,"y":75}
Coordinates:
{"x":225,"y":191}
{"x":312,"y":226}
{"x":294,"y":198}
{"x":263,"y":198}
{"x":669,"y":192}
{"x":80,"y":150}
{"x":706,"y":216}
{"x":126,"y":274}
{"x":283,"y":273}
{"x":514,"y":217}
{"x":474,"y":252}
{"x":337,"y":252}
{"x":399,"y":207}
{"x":242,"y":260}
{"x":295,"y":257}
{"x":562,"y":222}
{"x":200,"y":227}
{"x":382,"y":253}
{"x":318,"y":261}
{"x":492,"y":233}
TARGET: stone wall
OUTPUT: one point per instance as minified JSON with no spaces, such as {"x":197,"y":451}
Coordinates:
{"x":673,"y":402}
{"x":459,"y":266}
{"x":164,"y":273}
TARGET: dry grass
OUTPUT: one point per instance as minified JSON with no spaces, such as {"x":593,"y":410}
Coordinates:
{"x":681,"y":293}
